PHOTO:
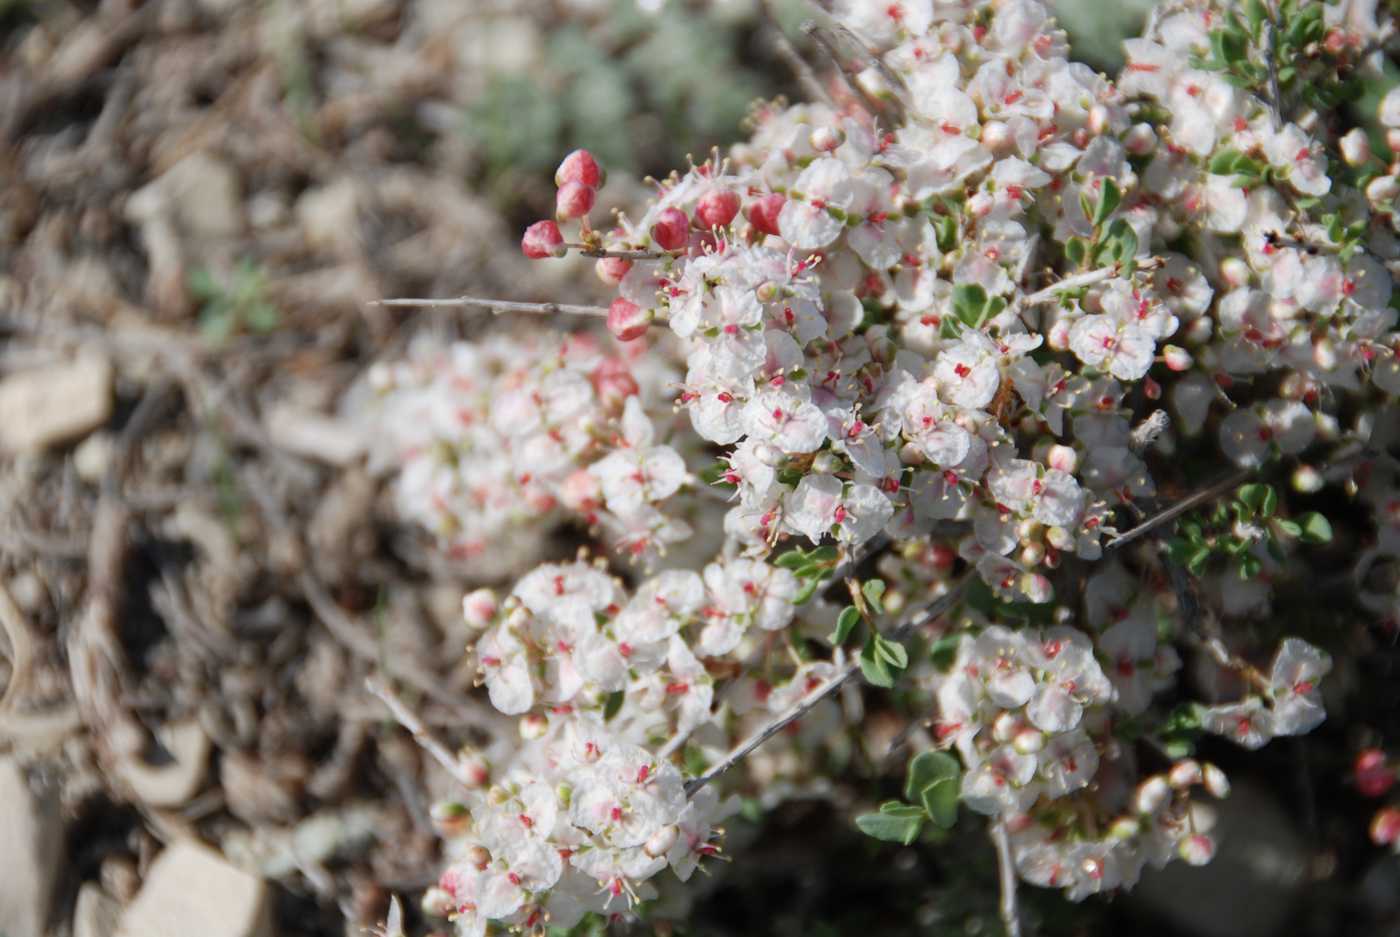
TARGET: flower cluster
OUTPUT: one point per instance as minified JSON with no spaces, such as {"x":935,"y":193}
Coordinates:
{"x":500,"y":437}
{"x":934,"y":315}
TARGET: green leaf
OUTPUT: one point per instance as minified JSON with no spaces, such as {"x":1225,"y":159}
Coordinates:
{"x":1314,"y":528}
{"x":1259,"y":498}
{"x":873,"y":667}
{"x":826,"y":553}
{"x":940,"y":802}
{"x":1108,"y":201}
{"x":969,"y":299}
{"x":891,"y":652}
{"x":873,"y":590}
{"x":927,"y":768}
{"x":1290,"y":527}
{"x":944,"y":652}
{"x":1254,"y":12}
{"x":945,"y":230}
{"x":845,"y":624}
{"x":613,"y":704}
{"x":1223,"y":162}
{"x":1076,"y":249}
{"x":804,"y":595}
{"x":895,"y":823}
{"x":792,"y":559}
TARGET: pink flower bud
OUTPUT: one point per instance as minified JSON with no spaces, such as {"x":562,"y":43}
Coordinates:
{"x":826,"y":139}
{"x":451,"y":818}
{"x":627,"y":320}
{"x":1058,"y":337}
{"x":1063,"y":458}
{"x":438,"y":903}
{"x":573,"y":200}
{"x":1356,"y":147}
{"x":613,"y":382}
{"x":478,"y":857}
{"x":579,"y":166}
{"x":1307,"y":480}
{"x":1140,"y":139}
{"x":1028,"y":741}
{"x":611,"y":270}
{"x":479,"y":607}
{"x":1385,"y":826}
{"x":1197,"y":849}
{"x":1185,"y":773}
{"x":763,"y":212}
{"x":533,"y":726}
{"x":1177,"y":358}
{"x":996,"y":136}
{"x":661,"y":841}
{"x":1373,"y":776}
{"x":542,"y":239}
{"x":671,"y":230}
{"x":581,"y":492}
{"x":717,"y":208}
{"x":1216,"y":783}
{"x":1152,"y":794}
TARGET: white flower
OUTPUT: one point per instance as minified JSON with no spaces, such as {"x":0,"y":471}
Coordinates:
{"x":1122,"y":349}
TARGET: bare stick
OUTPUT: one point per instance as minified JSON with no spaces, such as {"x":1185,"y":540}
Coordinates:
{"x":1006,"y":870}
{"x":589,"y":251}
{"x":1209,"y":493}
{"x":425,"y":739}
{"x":1080,"y":280}
{"x":1273,"y":101}
{"x":500,"y":305}
{"x":810,"y":701}
{"x":790,"y":56}
{"x":824,"y":39}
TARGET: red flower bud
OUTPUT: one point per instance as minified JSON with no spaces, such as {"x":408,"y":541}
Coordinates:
{"x":671,"y":230}
{"x":542,"y":239}
{"x":579,"y":166}
{"x":1385,"y":826}
{"x":1373,"y":776}
{"x":763,"y":212}
{"x":627,"y":320}
{"x":717,"y":208}
{"x":573,"y":200}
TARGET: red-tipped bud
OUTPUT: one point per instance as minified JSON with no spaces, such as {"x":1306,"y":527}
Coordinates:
{"x":611,"y":270}
{"x":579,"y":166}
{"x":1373,"y":776}
{"x":542,"y":239}
{"x":573,"y":200}
{"x":671,"y":230}
{"x":763,"y":212}
{"x":614,"y":383}
{"x":627,"y":320}
{"x":1385,"y":826}
{"x":717,"y":208}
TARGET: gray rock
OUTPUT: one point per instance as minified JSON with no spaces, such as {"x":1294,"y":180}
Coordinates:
{"x":190,"y":889}
{"x":41,"y":407}
{"x":32,"y":831}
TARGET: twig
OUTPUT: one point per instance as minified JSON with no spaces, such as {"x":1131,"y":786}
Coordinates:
{"x":589,"y":251}
{"x":790,"y":56}
{"x":809,"y":702}
{"x":822,"y":37}
{"x":1209,"y":493}
{"x":425,"y":739}
{"x":1006,"y":870}
{"x":1274,"y":102}
{"x":500,"y":305}
{"x":1079,"y":280}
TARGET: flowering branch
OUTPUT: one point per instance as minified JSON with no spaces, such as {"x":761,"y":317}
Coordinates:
{"x":1080,"y":280}
{"x":809,"y":702}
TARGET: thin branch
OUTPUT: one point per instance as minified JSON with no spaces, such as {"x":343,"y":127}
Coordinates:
{"x":500,"y":305}
{"x":784,"y":49}
{"x":1080,"y":280}
{"x":1209,"y":493}
{"x":589,"y":251}
{"x":1006,"y":870}
{"x":822,"y":37}
{"x":1274,"y":101}
{"x":426,"y":740}
{"x":809,"y":702}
